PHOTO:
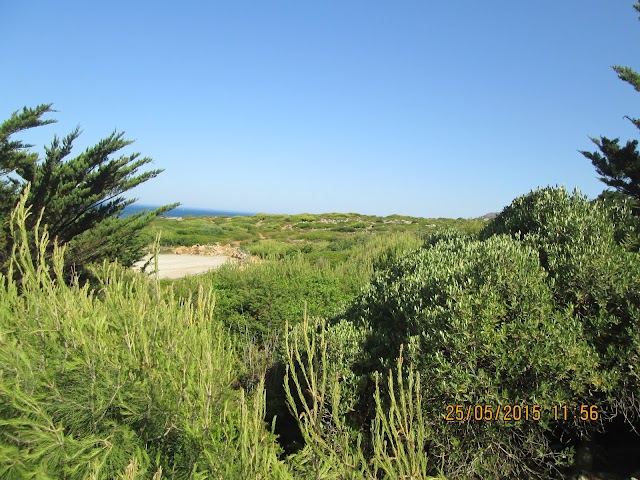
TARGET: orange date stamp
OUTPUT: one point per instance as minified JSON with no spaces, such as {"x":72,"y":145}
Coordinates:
{"x":519,"y":413}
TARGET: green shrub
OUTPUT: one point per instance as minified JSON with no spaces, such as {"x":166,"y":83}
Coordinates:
{"x":272,"y":249}
{"x":559,"y":217}
{"x":477,"y":320}
{"x":580,"y":244}
{"x":484,"y":321}
{"x":344,"y":229}
{"x":258,"y":299}
{"x":120,"y":382}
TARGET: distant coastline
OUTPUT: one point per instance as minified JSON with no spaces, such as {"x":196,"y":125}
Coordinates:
{"x":185,"y":212}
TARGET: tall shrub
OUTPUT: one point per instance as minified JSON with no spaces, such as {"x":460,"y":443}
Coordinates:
{"x":579,"y":245}
{"x":478,"y":321}
{"x":121,"y":381}
{"x":542,"y":311}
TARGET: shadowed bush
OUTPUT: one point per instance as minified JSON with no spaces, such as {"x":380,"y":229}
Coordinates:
{"x":396,"y":444}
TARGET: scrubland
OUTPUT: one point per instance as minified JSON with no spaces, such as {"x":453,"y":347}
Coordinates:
{"x":335,"y":356}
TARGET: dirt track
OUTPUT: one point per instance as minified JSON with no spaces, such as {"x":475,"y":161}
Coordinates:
{"x":177,"y":266}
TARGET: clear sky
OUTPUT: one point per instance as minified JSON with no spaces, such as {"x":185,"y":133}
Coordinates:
{"x":424,"y":108}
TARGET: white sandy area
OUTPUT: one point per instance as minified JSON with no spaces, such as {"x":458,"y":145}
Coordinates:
{"x":177,"y":266}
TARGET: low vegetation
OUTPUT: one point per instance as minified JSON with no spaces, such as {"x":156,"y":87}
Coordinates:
{"x":130,"y":380}
{"x":315,"y":236}
{"x":302,"y":366}
{"x":357,"y":347}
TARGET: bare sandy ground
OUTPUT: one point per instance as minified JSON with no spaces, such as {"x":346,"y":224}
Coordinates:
{"x":177,"y":266}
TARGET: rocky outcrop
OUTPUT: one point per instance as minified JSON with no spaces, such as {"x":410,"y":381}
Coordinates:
{"x":213,"y":250}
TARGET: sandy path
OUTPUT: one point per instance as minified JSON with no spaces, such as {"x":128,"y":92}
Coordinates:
{"x":177,"y":266}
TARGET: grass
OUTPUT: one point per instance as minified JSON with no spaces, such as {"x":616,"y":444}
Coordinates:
{"x":137,"y":380}
{"x":258,"y":299}
{"x":294,"y":231}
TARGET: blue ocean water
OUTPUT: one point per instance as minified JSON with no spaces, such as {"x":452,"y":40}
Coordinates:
{"x":185,"y":212}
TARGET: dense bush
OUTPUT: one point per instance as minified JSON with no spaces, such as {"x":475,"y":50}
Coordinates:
{"x":129,"y":381}
{"x":580,"y":244}
{"x":257,"y":299}
{"x":484,"y":322}
{"x":557,"y":217}
{"x":272,"y":249}
{"x":121,"y":382}
{"x":477,"y":321}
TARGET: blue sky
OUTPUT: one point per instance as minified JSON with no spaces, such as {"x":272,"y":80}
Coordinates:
{"x":425,"y":108}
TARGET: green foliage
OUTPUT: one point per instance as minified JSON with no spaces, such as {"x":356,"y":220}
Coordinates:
{"x":132,"y":380}
{"x":484,"y":320}
{"x":333,"y":449}
{"x":296,"y":231}
{"x":122,"y":383}
{"x":257,"y":299}
{"x":619,"y":167}
{"x":551,"y":216}
{"x":579,"y":243}
{"x":477,"y":320}
{"x":81,"y":195}
{"x":273,"y":249}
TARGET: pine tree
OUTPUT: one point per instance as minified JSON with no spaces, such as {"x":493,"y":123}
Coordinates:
{"x":619,"y":166}
{"x":79,"y":198}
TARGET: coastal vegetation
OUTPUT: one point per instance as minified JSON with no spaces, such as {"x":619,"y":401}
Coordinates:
{"x":79,"y":198}
{"x":281,"y":235}
{"x":130,"y":380}
{"x":347,"y":346}
{"x":298,"y":367}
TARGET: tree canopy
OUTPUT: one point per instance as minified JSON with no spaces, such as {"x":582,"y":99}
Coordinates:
{"x":619,"y":166}
{"x":79,"y":199}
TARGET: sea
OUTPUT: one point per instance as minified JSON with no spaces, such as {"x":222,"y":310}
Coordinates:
{"x":185,"y":212}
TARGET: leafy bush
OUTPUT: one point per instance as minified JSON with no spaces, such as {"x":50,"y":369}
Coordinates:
{"x":559,"y":217}
{"x":484,"y":321}
{"x":345,"y":229}
{"x":258,"y":299}
{"x":580,"y":244}
{"x":272,"y":249}
{"x":478,"y":322}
